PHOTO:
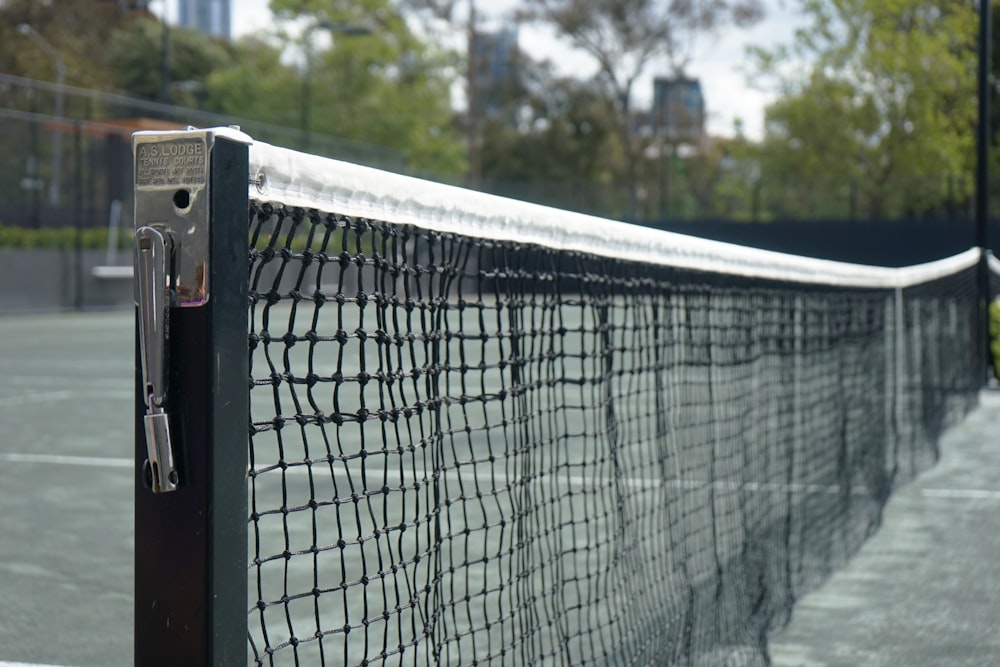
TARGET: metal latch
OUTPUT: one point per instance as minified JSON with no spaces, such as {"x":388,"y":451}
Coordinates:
{"x":171,"y":177}
{"x":154,"y":251}
{"x":171,"y":271}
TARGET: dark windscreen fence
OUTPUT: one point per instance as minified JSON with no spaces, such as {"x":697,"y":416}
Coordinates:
{"x":486,"y":432}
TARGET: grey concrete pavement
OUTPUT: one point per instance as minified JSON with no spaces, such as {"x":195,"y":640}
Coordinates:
{"x":925,"y":589}
{"x":66,"y":480}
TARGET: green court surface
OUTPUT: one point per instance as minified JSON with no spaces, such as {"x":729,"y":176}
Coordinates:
{"x":923,"y":590}
{"x":66,"y":543}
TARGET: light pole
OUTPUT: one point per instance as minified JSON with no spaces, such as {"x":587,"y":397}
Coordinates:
{"x":983,"y":139}
{"x":350,"y":30}
{"x":165,"y":62}
{"x":472,"y":83}
{"x":60,"y":65}
{"x":983,"y":129}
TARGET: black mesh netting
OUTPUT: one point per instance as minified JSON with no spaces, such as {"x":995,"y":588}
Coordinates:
{"x":467,"y":451}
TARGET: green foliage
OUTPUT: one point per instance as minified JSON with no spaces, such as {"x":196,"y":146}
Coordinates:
{"x":625,"y":38}
{"x":384,"y":86}
{"x":552,"y":140}
{"x":994,"y":324}
{"x":883,"y":120}
{"x":722,"y":181}
{"x":137,"y":54}
{"x":255,"y":85}
{"x":76,"y":29}
{"x":555,"y":129}
{"x":64,"y":238}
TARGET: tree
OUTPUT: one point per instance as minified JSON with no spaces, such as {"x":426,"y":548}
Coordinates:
{"x":136,"y":60}
{"x":439,"y":19}
{"x":551,"y":139}
{"x":76,"y":29}
{"x":995,"y":105}
{"x":106,"y":45}
{"x":530,"y":133}
{"x":256,"y":85}
{"x":625,"y":37}
{"x":722,"y":179}
{"x":384,"y":87}
{"x":884,"y":119}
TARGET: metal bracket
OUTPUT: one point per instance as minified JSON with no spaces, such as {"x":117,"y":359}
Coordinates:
{"x":153,"y":295}
{"x":171,"y":270}
{"x":171,"y":265}
{"x":171,"y":187}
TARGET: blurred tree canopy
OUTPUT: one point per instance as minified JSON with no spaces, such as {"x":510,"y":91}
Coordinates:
{"x":548,"y":130}
{"x":625,"y":38}
{"x":882,"y":123}
{"x":365,"y":75}
{"x":76,"y":29}
{"x":386,"y":87}
{"x":558,"y":128}
{"x":875,"y":115}
{"x":256,"y":85}
{"x":136,"y":60}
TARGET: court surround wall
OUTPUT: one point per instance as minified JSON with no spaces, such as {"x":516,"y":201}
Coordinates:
{"x":46,"y":280}
{"x":33,"y":281}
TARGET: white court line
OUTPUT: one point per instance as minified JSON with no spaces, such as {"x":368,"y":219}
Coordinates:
{"x":60,"y":459}
{"x":60,"y":395}
{"x":37,"y":378}
{"x":23,"y":664}
{"x":576,"y":480}
{"x":397,"y":477}
{"x":961,"y":494}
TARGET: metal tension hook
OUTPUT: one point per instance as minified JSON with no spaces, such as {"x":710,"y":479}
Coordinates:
{"x":153,"y":256}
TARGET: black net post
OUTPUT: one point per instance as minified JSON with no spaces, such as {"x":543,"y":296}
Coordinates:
{"x":192,"y":398}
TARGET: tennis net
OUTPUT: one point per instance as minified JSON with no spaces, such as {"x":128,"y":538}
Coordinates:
{"x":487,"y":432}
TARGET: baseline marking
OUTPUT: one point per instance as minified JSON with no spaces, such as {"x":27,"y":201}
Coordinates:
{"x":35,"y":398}
{"x":60,"y":459}
{"x":320,"y":467}
{"x":961,"y":494}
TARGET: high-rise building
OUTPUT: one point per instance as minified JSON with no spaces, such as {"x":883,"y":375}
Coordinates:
{"x":678,"y":109}
{"x":495,"y":70}
{"x":212,"y":17}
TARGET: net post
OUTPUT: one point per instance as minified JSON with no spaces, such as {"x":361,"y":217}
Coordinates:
{"x":192,"y":399}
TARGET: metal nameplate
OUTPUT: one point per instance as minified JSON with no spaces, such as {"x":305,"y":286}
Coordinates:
{"x":171,"y":195}
{"x":167,"y":163}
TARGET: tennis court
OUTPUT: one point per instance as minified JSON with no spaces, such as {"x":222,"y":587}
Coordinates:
{"x":480,"y":431}
{"x":486,"y":432}
{"x":923,"y":588}
{"x":66,"y":487}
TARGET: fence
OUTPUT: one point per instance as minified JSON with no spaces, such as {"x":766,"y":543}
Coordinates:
{"x":65,"y":185}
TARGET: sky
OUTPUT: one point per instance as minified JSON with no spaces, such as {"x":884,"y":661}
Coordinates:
{"x":718,"y":60}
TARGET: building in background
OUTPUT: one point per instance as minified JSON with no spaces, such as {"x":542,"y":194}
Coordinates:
{"x":212,"y":17}
{"x":678,"y":110}
{"x":495,"y":69}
